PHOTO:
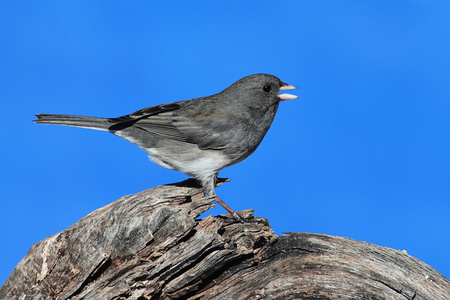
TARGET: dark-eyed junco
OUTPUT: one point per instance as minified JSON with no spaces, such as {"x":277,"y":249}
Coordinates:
{"x":200,"y":136}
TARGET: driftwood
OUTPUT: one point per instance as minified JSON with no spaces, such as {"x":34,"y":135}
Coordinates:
{"x":150,"y":246}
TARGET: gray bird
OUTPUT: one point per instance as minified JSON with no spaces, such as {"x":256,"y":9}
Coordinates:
{"x":200,"y":136}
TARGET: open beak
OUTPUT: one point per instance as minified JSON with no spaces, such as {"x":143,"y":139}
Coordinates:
{"x":285,"y":96}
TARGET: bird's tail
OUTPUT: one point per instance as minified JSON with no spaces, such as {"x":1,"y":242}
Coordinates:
{"x":75,"y":121}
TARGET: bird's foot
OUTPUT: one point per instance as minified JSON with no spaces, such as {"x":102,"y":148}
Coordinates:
{"x":224,"y":205}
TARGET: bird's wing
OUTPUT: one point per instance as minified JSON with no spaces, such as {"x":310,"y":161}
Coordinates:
{"x":178,"y":121}
{"x":207,"y":132}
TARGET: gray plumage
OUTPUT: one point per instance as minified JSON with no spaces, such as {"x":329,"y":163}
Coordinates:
{"x":201,"y":136}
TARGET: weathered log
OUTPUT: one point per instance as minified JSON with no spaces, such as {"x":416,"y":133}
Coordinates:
{"x":151,"y":246}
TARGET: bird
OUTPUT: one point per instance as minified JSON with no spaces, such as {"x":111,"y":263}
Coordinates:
{"x":199,"y":136}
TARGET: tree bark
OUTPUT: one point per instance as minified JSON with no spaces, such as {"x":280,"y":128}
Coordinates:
{"x":151,"y":246}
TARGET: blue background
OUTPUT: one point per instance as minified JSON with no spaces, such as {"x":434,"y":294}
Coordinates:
{"x":364,"y":153}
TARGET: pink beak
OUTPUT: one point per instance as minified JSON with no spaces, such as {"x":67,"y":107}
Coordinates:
{"x":285,"y":96}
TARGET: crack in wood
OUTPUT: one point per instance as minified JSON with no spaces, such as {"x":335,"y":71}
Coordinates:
{"x":94,"y":274}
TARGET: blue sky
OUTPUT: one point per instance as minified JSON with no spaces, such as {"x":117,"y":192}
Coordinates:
{"x":364,"y":153}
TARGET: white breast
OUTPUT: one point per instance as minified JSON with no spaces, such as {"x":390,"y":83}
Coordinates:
{"x":199,"y":166}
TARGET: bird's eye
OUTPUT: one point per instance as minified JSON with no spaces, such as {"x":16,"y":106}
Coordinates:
{"x":267,"y":88}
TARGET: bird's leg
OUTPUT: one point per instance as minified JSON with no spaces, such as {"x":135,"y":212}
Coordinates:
{"x":232,"y":212}
{"x":208,"y":185}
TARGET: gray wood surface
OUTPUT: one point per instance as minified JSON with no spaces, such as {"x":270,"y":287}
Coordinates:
{"x":151,"y":246}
